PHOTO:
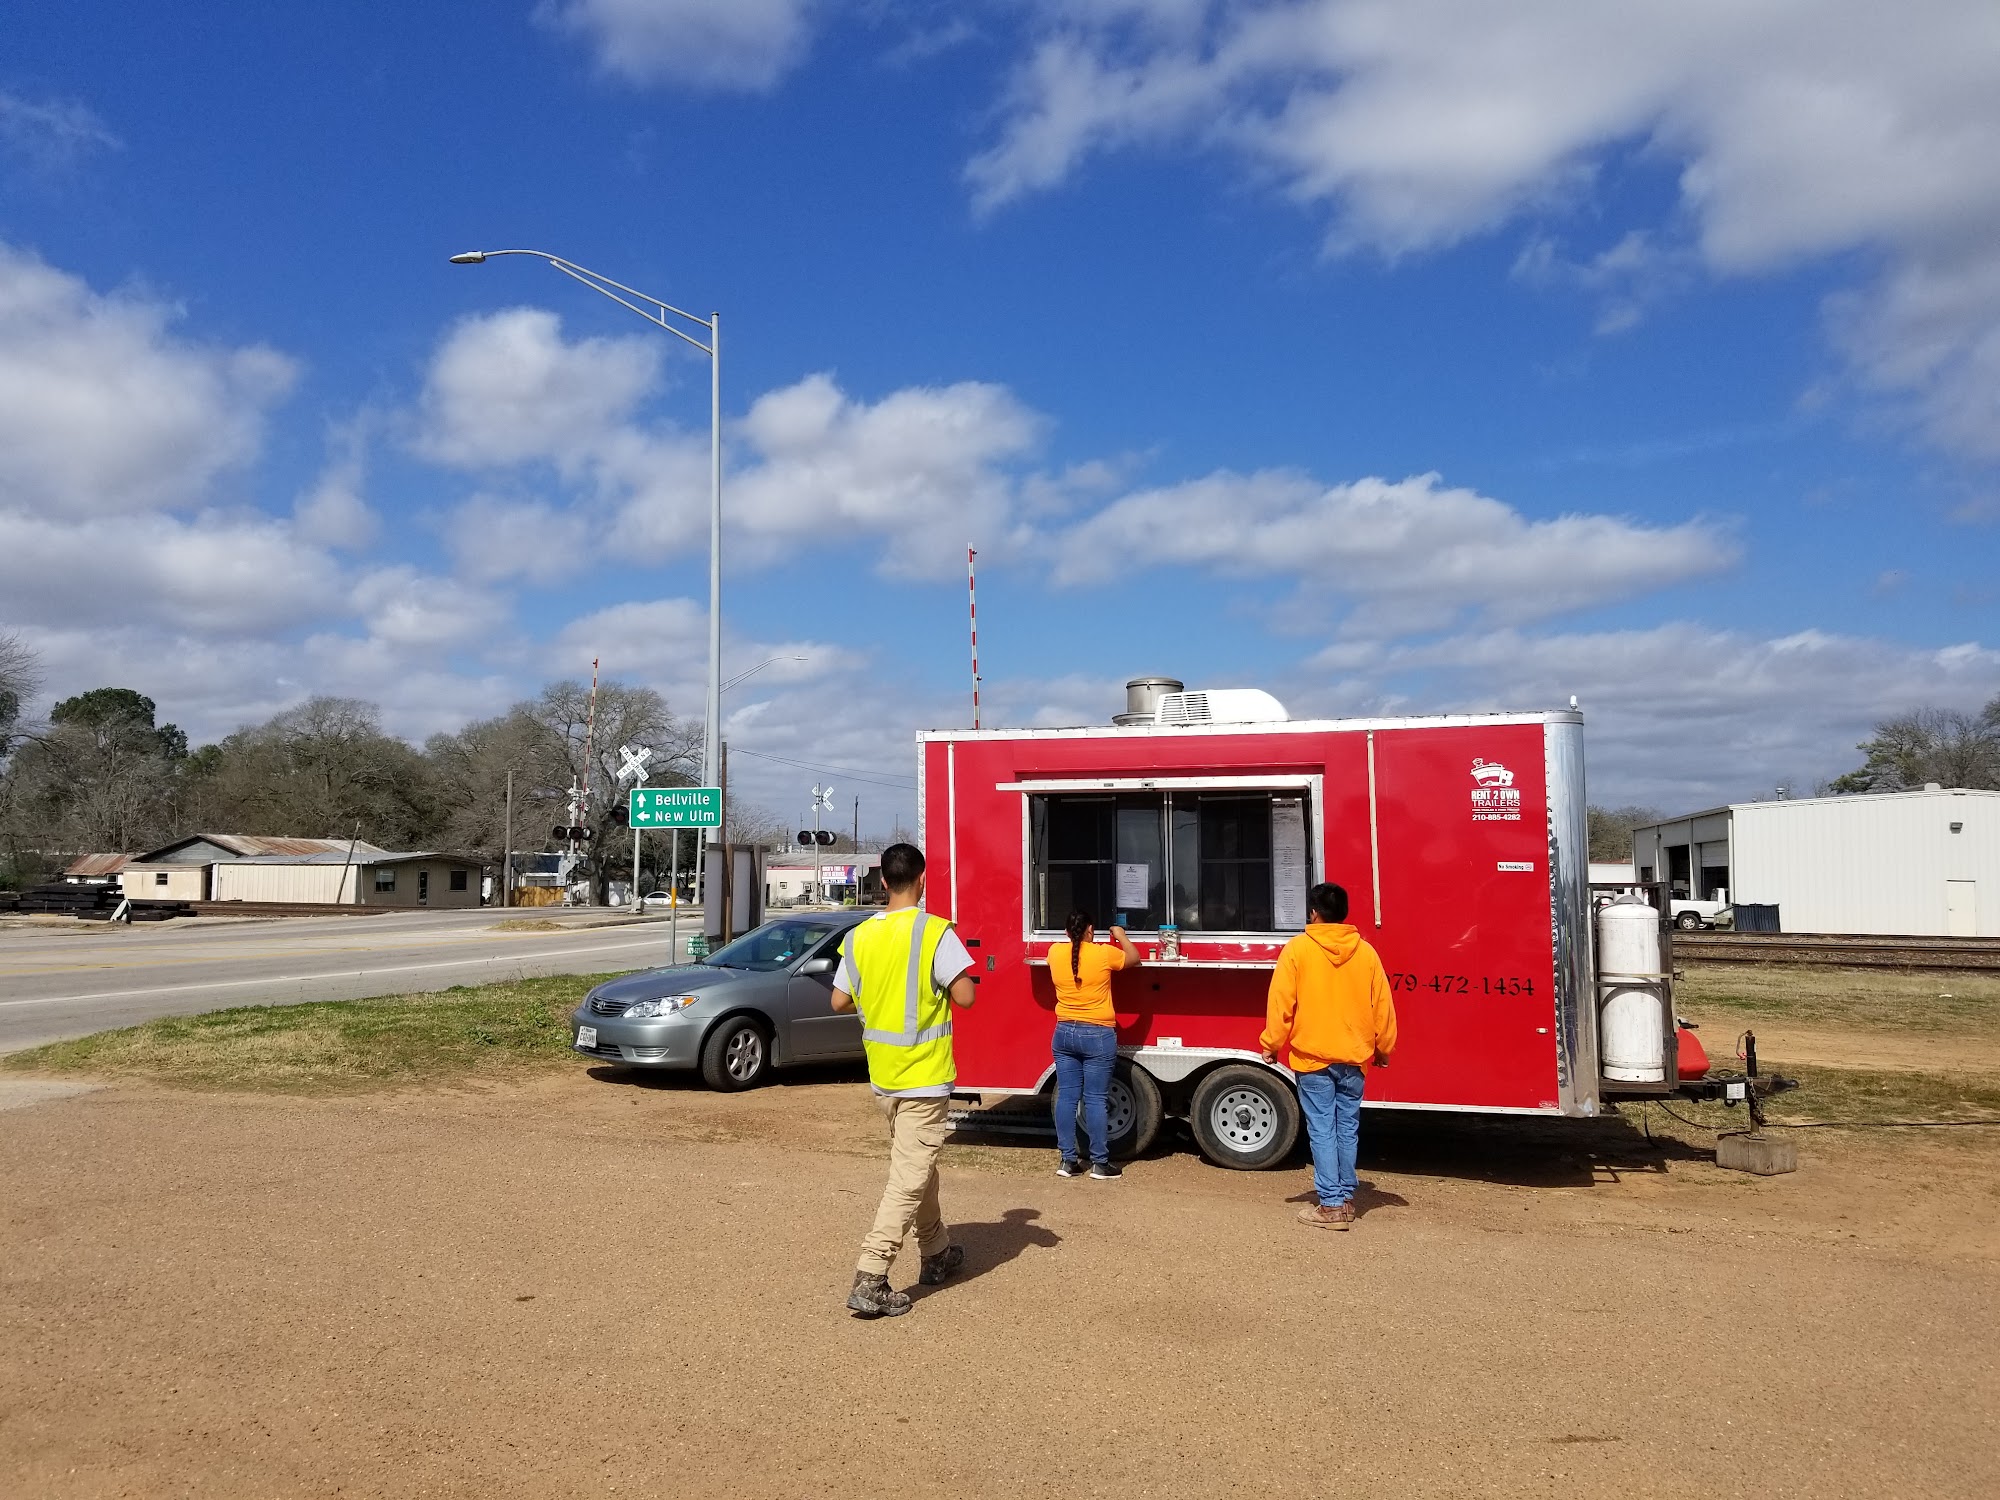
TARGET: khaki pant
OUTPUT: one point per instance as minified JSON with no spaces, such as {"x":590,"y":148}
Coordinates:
{"x":910,"y":1201}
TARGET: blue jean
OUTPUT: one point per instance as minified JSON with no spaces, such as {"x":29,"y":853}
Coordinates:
{"x":1084,"y":1055}
{"x":1330,"y":1099}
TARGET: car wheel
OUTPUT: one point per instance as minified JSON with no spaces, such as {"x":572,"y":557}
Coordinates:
{"x":1688,"y":921}
{"x":1244,"y":1118}
{"x":1132,"y":1111}
{"x":737,"y":1055}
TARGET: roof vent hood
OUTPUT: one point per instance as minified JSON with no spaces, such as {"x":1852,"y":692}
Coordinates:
{"x":1166,"y":701}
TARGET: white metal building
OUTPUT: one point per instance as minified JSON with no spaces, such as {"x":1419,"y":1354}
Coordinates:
{"x":340,"y":872}
{"x":1923,"y":864}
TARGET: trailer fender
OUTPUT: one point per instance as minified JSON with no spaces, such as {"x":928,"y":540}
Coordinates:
{"x":1178,"y":1064}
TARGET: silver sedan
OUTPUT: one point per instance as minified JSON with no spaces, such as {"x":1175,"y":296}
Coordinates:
{"x":761,"y":1002}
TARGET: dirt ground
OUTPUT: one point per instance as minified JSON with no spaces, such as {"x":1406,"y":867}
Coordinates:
{"x":581,"y":1286}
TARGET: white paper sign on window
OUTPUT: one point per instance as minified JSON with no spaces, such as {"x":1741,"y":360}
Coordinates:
{"x":1290,"y":871}
{"x":1135,"y":886}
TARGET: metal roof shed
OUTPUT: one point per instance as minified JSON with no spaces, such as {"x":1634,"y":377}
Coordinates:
{"x":1920,"y":864}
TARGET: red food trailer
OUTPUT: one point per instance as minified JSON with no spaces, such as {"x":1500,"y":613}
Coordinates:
{"x":1201,"y":820}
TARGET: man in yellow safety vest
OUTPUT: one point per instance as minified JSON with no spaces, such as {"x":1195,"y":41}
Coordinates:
{"x":905,"y":969}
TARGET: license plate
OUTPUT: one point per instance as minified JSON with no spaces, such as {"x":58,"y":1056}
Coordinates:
{"x":586,"y":1036}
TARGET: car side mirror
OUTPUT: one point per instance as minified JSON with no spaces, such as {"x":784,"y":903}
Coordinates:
{"x":816,"y":966}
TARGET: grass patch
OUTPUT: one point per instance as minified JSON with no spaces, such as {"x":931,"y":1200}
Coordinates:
{"x":1966,"y":1004}
{"x":528,"y":924}
{"x":341,"y":1046}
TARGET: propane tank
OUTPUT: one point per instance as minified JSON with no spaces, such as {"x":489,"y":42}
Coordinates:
{"x":1632,"y":1026}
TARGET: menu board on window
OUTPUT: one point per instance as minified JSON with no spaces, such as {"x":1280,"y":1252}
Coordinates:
{"x":1290,"y":872}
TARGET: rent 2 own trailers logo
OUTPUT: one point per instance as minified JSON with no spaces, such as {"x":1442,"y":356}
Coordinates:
{"x":1495,"y":799}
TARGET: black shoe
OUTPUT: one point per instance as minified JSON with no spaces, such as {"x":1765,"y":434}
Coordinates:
{"x":872,"y":1297}
{"x":1069,"y":1166}
{"x":938,"y":1268}
{"x":1105,"y":1171}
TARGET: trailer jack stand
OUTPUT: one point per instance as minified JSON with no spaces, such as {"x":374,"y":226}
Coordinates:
{"x":1750,"y":1150}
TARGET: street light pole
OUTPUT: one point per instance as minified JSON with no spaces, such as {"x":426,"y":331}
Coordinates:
{"x":657,"y":313}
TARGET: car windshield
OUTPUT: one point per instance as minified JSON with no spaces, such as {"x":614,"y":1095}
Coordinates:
{"x":774,"y":945}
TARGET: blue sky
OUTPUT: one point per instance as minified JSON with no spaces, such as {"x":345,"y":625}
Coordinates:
{"x":1394,"y":357}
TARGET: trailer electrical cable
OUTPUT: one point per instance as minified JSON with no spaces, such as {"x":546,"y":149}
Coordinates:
{"x":1834,"y":1124}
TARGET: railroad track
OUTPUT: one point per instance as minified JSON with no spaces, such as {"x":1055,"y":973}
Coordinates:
{"x":1834,"y":951}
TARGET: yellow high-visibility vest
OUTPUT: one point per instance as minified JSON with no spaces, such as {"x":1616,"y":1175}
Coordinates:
{"x":905,"y":1018}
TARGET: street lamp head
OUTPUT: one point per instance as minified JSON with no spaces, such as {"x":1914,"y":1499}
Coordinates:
{"x":470,"y":258}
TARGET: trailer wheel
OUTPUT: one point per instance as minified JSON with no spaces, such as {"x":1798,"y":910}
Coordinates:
{"x":1133,"y":1110}
{"x":1244,"y":1117}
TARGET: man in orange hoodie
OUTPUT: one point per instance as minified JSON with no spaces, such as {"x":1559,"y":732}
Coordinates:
{"x":1330,"y":1007}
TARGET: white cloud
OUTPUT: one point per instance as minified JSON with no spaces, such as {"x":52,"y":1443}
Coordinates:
{"x":334,"y":512}
{"x":1803,"y":128}
{"x":715,"y":44}
{"x":215,"y":572}
{"x":492,"y":539}
{"x":1412,"y":554}
{"x":507,"y":388}
{"x":405,"y":607}
{"x":50,"y":134}
{"x":1682,"y":715}
{"x":103,"y":409}
{"x":925,"y":468}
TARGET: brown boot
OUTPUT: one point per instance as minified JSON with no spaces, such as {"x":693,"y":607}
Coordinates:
{"x":872,"y":1297}
{"x":1328,"y":1215}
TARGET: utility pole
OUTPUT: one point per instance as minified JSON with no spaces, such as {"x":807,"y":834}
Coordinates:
{"x":589,"y":745}
{"x":507,"y":851}
{"x":819,"y":879}
{"x":635,"y":857}
{"x":972,"y":606}
{"x":727,"y":871}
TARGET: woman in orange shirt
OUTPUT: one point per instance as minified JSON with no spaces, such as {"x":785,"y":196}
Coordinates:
{"x":1086,"y":1043}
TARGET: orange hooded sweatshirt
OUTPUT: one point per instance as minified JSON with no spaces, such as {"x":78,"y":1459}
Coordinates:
{"x":1329,"y":1000}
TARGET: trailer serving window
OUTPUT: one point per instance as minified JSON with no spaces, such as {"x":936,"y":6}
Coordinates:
{"x":1210,"y":858}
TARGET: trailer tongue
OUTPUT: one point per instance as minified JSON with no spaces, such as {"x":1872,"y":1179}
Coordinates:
{"x":1198,"y":821}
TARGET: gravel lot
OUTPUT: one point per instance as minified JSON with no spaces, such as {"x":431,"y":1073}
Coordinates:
{"x":577,"y":1286}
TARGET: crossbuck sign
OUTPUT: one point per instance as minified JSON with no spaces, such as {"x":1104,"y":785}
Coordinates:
{"x":632,"y":763}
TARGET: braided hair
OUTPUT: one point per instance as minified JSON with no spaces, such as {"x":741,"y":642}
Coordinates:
{"x":1079,"y":924}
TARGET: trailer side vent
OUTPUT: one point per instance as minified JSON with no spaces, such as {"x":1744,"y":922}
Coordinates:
{"x":1221,"y":706}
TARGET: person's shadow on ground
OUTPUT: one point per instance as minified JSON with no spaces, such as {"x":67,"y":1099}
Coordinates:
{"x":990,"y":1244}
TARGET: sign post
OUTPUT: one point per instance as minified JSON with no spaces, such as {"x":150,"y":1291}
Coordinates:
{"x":673,"y":807}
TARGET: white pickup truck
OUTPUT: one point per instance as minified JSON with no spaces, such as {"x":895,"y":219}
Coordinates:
{"x":1691,"y":916}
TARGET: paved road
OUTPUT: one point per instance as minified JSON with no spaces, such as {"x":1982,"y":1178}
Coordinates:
{"x":73,"y":979}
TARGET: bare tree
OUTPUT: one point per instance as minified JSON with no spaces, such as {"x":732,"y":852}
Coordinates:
{"x":98,"y":777}
{"x":1928,"y":745}
{"x":20,"y":675}
{"x":543,"y":741}
{"x":1611,"y":831}
{"x":322,"y":770}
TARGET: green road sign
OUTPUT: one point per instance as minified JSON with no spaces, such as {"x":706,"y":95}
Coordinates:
{"x":676,"y":807}
{"x":698,"y":946}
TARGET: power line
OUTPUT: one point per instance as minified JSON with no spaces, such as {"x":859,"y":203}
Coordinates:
{"x":898,"y":783}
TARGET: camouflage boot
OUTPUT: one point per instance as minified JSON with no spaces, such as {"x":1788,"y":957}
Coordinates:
{"x":872,"y":1297}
